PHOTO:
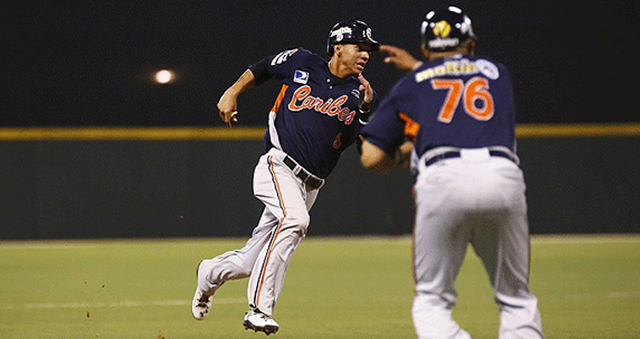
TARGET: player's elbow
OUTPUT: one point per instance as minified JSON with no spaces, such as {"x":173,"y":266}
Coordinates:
{"x":376,"y":167}
{"x":368,"y":162}
{"x":374,"y":159}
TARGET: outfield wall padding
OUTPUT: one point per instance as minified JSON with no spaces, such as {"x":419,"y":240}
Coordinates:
{"x":202,"y":188}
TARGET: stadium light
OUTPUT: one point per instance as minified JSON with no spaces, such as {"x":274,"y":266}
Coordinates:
{"x":164,"y":76}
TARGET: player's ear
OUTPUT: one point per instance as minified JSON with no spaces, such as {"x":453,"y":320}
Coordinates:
{"x":471,"y":46}
{"x":425,"y":51}
{"x":337,"y":49}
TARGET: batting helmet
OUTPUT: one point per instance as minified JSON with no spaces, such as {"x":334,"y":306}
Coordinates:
{"x":445,"y":29}
{"x":350,"y":32}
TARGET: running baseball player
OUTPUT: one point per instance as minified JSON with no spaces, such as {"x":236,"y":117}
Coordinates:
{"x":458,"y":109}
{"x":318,"y":113}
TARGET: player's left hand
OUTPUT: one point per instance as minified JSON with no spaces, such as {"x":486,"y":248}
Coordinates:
{"x":403,"y":155}
{"x":365,"y":88}
{"x":400,"y":57}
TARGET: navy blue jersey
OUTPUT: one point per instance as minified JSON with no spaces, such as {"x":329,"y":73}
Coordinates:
{"x":315,"y":117}
{"x":462,"y":101}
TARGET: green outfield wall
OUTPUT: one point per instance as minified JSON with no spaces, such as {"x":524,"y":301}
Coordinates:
{"x":186,"y":182}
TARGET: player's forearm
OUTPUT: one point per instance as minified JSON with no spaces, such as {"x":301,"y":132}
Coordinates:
{"x":228,"y":104}
{"x":246,"y":81}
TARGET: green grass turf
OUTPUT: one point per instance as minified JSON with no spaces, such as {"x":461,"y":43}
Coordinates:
{"x":335,"y":288}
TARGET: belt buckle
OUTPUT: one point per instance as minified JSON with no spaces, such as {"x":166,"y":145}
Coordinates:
{"x":309,"y":185}
{"x":305,"y":177}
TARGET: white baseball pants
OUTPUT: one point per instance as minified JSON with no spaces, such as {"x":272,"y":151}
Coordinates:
{"x":479,"y":200}
{"x":283,"y":225}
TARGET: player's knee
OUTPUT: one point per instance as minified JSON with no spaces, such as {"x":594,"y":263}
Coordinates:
{"x":297,"y":221}
{"x":243,"y":272}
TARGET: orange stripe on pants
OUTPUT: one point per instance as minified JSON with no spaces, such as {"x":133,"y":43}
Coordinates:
{"x":275,"y":237}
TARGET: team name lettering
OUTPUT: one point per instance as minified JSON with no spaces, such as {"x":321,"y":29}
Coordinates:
{"x":302,"y":99}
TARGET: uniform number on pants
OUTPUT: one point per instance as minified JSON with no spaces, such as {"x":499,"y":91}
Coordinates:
{"x":476,"y":89}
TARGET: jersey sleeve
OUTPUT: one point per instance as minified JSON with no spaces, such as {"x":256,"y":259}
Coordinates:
{"x":284,"y":64}
{"x":280,"y":65}
{"x":261,"y":70}
{"x":386,"y":128}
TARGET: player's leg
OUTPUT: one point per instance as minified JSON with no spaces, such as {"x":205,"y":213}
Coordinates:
{"x":236,"y":264}
{"x":503,"y":246}
{"x":298,"y":226}
{"x":232,"y":265}
{"x":440,"y":244}
{"x":285,"y":197}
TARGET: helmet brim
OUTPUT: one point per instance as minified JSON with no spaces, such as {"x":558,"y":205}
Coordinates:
{"x":375,"y":46}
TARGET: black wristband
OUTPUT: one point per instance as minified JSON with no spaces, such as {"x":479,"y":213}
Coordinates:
{"x":365,"y":107}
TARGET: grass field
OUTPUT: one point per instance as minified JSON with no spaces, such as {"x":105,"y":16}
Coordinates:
{"x":588,"y":287}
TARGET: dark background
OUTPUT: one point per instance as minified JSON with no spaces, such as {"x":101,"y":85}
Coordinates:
{"x":88,"y":63}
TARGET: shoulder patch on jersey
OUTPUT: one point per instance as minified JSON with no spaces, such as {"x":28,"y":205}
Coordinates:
{"x":282,"y":56}
{"x":488,"y":69}
{"x":301,"y":77}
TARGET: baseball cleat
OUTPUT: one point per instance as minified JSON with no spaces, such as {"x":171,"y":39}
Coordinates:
{"x":260,"y":322}
{"x":201,"y":304}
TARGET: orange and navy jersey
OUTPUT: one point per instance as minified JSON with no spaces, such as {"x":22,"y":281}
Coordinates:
{"x":315,"y":116}
{"x":463,"y":101}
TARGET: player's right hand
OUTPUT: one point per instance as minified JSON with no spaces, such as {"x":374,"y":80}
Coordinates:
{"x":228,"y":108}
{"x":400,"y":57}
{"x":365,"y":90}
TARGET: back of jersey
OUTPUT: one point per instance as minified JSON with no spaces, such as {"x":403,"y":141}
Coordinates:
{"x":463,"y":101}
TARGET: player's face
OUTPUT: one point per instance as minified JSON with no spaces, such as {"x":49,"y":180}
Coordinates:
{"x":354,"y":57}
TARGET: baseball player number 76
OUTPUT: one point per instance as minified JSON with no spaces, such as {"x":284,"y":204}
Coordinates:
{"x":474,"y":90}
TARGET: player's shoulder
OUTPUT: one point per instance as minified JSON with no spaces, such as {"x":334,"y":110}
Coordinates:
{"x":404,"y":85}
{"x":311,"y":57}
{"x":298,"y":51}
{"x":489,"y":66}
{"x":305,"y":52}
{"x":486,"y":59}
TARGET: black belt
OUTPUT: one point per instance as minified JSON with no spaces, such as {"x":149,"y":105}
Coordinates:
{"x":456,"y":154}
{"x":306,"y":177}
